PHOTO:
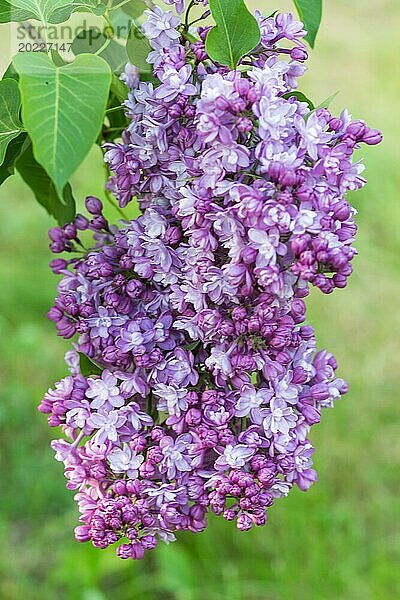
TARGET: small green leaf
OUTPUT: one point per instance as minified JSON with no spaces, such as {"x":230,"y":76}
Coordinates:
{"x":236,"y":32}
{"x":62,"y":208}
{"x":192,"y":346}
{"x":115,"y":55}
{"x":300,"y":97}
{"x":328,"y":101}
{"x":119,"y":89}
{"x":115,"y":111}
{"x":10,"y":72}
{"x":57,"y":58}
{"x":310,"y":12}
{"x":62,"y":109}
{"x":87,"y":366}
{"x":10,"y":107}
{"x":134,"y":8}
{"x":138,"y":49}
{"x":14,"y":151}
{"x":120,"y":22}
{"x":92,"y":40}
{"x":88,"y":42}
{"x":324,"y":104}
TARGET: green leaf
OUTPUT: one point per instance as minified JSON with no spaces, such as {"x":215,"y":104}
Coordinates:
{"x":87,"y":366}
{"x":88,"y":42}
{"x":236,"y":32}
{"x":97,"y":8}
{"x":324,"y":104}
{"x":62,"y":208}
{"x":57,"y":58}
{"x":10,"y":72}
{"x":134,"y":8}
{"x":121,"y":23}
{"x":62,"y":109}
{"x":54,"y":11}
{"x":119,"y":89}
{"x":46,"y":11}
{"x":138,"y":48}
{"x":14,"y":151}
{"x":116,"y":56}
{"x":9,"y":13}
{"x":300,"y":97}
{"x":10,"y":107}
{"x":328,"y":101}
{"x":310,"y":12}
{"x":92,"y":40}
{"x":118,"y":122}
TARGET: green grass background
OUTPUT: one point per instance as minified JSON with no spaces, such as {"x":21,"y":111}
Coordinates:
{"x":339,"y":541}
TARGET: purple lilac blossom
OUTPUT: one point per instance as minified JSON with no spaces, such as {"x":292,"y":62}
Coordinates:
{"x":195,"y":312}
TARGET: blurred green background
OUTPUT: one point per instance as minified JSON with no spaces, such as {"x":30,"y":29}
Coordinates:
{"x":341,"y":540}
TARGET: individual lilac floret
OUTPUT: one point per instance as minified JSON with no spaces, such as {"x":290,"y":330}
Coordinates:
{"x":104,"y":391}
{"x":160,"y":28}
{"x":124,"y":460}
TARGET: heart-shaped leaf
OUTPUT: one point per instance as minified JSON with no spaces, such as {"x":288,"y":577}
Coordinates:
{"x":310,"y":12}
{"x":61,"y":207}
{"x":62,"y":109}
{"x":236,"y":32}
{"x":10,"y":107}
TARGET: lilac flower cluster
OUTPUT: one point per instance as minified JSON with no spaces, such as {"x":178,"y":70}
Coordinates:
{"x":203,"y":379}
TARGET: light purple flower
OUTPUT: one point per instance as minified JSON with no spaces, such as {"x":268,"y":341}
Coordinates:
{"x":219,"y":361}
{"x":265,"y":244}
{"x":176,"y":458}
{"x":101,"y":324}
{"x":166,"y":493}
{"x":107,"y":425}
{"x":234,"y":457}
{"x":160,"y":28}
{"x":136,"y":417}
{"x":104,"y":391}
{"x":175,"y":83}
{"x":279,"y":418}
{"x":125,"y":460}
{"x":179,"y":368}
{"x":171,"y":399}
{"x":285,"y":390}
{"x":133,"y":338}
{"x":250,"y":400}
{"x":313,"y":133}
